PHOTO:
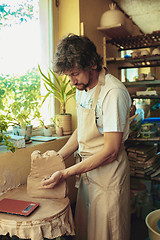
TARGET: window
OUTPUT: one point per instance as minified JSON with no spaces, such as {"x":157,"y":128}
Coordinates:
{"x":128,"y":74}
{"x":23,"y":45}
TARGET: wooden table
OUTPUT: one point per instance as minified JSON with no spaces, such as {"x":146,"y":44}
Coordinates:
{"x":53,"y":218}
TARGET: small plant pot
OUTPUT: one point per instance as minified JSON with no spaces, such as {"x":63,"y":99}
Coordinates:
{"x":47,"y":132}
{"x":65,"y":121}
{"x":59,"y":131}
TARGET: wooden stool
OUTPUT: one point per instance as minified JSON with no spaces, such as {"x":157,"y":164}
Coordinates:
{"x":52,"y":219}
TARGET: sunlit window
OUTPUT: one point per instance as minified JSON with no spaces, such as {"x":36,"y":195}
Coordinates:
{"x":21,"y":43}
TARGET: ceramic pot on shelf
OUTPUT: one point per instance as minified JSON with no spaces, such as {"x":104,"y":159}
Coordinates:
{"x":112,"y":17}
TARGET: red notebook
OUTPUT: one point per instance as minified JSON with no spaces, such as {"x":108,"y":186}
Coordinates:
{"x":18,"y":207}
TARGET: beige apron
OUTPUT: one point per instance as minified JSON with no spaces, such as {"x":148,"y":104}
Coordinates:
{"x":103,"y":204}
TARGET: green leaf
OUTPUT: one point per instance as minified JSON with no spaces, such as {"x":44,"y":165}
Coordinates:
{"x":59,"y":89}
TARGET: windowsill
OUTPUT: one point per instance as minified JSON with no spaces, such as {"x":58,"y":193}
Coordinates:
{"x":3,"y":149}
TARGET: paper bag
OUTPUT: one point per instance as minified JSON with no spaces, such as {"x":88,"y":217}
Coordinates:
{"x":44,"y":165}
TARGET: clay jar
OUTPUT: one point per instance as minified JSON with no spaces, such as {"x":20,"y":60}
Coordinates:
{"x":59,"y":131}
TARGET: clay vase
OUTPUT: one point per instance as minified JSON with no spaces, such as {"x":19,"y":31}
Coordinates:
{"x":59,"y":131}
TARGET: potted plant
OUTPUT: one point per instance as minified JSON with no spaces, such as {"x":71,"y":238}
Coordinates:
{"x":5,"y":121}
{"x":62,"y":91}
{"x":20,"y":98}
{"x":22,"y":117}
{"x":23,"y":125}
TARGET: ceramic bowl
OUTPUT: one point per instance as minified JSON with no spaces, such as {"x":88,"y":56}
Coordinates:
{"x":145,"y":52}
{"x":135,"y":54}
{"x":156,"y":51}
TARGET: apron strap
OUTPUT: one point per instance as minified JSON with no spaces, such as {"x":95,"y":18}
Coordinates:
{"x":100,"y":82}
{"x":96,"y":96}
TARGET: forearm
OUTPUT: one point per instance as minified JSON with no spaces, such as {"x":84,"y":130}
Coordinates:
{"x":70,"y":147}
{"x":87,"y":165}
{"x":92,"y":162}
{"x":108,"y":154}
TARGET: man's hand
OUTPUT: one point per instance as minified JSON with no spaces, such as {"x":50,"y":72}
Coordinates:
{"x":53,"y":180}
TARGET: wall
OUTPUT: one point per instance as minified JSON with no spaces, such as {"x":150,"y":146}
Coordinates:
{"x":90,"y":14}
{"x":68,"y":22}
{"x":68,"y":17}
{"x":15,"y":167}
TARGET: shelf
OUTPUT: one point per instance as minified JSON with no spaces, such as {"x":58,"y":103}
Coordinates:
{"x":139,"y":66}
{"x":145,"y":61}
{"x":142,"y":177}
{"x":136,"y":42}
{"x":146,"y":97}
{"x":131,"y":43}
{"x":118,"y":30}
{"x":144,"y":83}
{"x":149,"y":178}
{"x":148,"y":58}
{"x":155,"y":139}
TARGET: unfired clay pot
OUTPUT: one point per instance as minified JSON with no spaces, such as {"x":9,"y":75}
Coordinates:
{"x":112,"y":17}
{"x":59,"y":131}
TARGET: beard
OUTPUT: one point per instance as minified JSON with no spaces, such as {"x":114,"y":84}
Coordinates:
{"x":83,"y":86}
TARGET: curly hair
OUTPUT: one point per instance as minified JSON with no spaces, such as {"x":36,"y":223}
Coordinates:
{"x":76,"y":52}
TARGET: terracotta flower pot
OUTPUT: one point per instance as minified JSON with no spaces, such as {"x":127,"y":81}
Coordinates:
{"x":65,"y":121}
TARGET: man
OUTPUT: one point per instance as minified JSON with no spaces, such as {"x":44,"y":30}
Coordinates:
{"x":103,"y":107}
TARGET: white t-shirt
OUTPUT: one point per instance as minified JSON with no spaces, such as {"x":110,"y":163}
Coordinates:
{"x":113,"y":106}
